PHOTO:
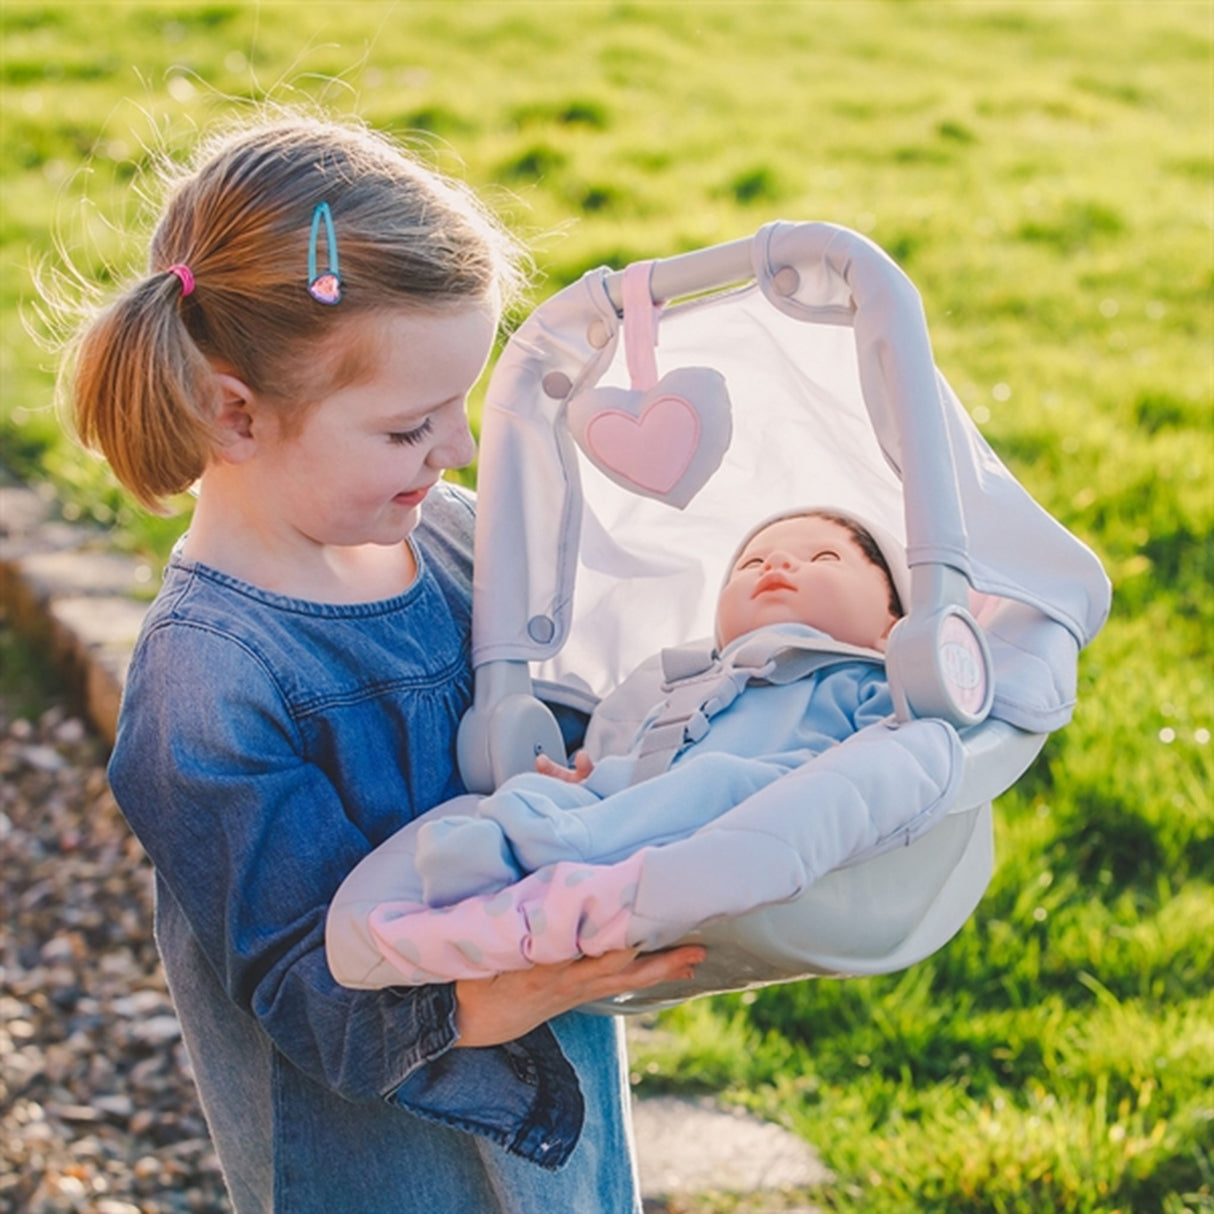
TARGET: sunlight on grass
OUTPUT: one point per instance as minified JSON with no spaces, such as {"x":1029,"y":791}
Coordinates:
{"x":1043,"y":173}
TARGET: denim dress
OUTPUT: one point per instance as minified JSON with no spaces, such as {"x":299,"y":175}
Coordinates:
{"x":265,"y":745}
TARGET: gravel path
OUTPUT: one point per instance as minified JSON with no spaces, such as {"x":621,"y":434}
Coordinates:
{"x":97,"y":1110}
{"x":98,"y":1114}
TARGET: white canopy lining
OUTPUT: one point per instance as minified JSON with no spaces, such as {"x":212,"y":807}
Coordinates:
{"x":833,"y":387}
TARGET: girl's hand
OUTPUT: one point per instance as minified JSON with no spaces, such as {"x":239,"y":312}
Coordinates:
{"x":582,"y":767}
{"x":490,"y":1011}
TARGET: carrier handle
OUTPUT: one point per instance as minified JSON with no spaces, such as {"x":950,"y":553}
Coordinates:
{"x":938,"y":660}
{"x":505,"y":729}
{"x":690,"y":273}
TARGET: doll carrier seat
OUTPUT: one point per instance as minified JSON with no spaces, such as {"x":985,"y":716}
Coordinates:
{"x":636,"y":424}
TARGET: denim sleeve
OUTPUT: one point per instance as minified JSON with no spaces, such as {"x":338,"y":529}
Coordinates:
{"x":253,"y":841}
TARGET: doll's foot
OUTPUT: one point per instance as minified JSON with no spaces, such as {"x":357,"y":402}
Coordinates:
{"x":458,"y":857}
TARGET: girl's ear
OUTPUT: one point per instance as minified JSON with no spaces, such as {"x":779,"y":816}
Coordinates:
{"x":234,"y":419}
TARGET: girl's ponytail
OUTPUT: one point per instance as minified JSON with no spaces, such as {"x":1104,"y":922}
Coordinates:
{"x":243,"y":220}
{"x":143,"y":392}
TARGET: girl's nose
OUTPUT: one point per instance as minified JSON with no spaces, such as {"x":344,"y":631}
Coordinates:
{"x":778,"y":560}
{"x":454,"y":449}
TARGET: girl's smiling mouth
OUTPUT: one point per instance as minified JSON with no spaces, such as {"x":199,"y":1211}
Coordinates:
{"x":413,"y":498}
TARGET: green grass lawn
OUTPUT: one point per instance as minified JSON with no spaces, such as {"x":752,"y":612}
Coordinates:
{"x":1043,"y":172}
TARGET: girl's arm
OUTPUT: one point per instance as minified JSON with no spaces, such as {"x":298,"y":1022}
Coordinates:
{"x":253,"y":840}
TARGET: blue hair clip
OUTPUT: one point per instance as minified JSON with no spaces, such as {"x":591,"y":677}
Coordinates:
{"x":324,"y":287}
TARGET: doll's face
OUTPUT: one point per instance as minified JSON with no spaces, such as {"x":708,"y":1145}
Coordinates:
{"x":806,"y":570}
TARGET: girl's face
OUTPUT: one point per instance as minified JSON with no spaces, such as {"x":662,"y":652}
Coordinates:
{"x":806,"y":570}
{"x":366,"y":455}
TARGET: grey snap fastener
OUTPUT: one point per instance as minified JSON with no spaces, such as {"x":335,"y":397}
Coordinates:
{"x":785,"y":281}
{"x":541,"y":629}
{"x":556,"y":384}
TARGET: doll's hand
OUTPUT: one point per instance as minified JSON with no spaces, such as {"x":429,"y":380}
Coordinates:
{"x":582,"y":767}
{"x":490,"y":1011}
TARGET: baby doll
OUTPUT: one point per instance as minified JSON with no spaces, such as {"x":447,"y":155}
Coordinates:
{"x":807,"y":583}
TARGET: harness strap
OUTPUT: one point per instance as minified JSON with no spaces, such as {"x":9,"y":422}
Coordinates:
{"x":699,"y":684}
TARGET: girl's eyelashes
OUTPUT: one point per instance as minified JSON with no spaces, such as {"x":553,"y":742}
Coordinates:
{"x":413,"y":436}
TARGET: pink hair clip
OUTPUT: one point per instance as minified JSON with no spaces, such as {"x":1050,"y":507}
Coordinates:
{"x":186,"y":275}
{"x":324,"y":287}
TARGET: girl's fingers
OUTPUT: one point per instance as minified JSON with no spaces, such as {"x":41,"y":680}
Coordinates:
{"x":676,"y":965}
{"x":626,"y":970}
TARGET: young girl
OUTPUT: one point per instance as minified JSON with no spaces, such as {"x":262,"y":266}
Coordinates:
{"x":316,"y":308}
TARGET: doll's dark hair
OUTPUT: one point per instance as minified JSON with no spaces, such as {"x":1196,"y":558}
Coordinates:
{"x":871,"y":549}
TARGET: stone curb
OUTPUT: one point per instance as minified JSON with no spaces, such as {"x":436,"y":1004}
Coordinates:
{"x":64,"y":587}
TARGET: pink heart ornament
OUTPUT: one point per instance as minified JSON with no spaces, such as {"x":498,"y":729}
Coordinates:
{"x":325,"y":288}
{"x":653,"y":449}
{"x":664,"y":443}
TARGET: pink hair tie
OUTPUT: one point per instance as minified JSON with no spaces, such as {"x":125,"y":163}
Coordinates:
{"x":186,"y":275}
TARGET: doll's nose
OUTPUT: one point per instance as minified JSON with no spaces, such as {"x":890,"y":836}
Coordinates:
{"x":778,"y":560}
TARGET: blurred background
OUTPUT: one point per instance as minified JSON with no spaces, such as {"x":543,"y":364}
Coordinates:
{"x":1044,"y":174}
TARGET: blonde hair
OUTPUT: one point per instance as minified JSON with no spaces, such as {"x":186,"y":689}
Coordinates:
{"x":141,"y":371}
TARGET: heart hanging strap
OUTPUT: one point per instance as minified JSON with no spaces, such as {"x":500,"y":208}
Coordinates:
{"x":641,"y":317}
{"x":660,"y":438}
